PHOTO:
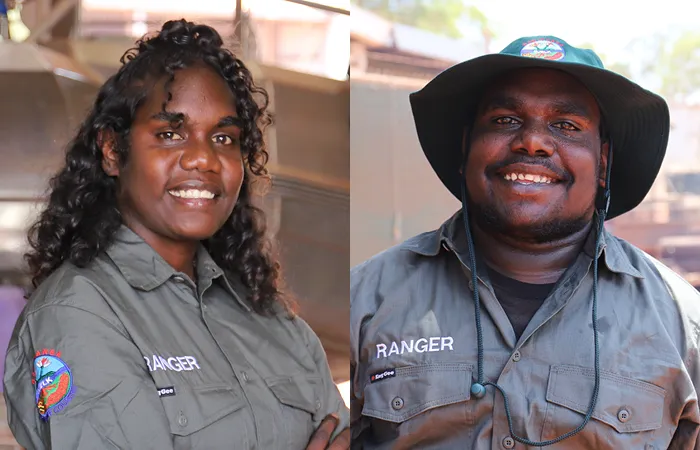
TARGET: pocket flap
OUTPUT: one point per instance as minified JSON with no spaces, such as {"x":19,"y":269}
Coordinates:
{"x":299,"y":391}
{"x":415,"y":389}
{"x":191,"y":410}
{"x":626,"y":404}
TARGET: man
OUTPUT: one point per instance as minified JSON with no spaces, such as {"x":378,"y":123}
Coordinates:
{"x":562,"y":336}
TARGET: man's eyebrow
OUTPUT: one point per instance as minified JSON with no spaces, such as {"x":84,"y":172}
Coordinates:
{"x":501,"y":101}
{"x":566,"y":107}
{"x":569,"y":107}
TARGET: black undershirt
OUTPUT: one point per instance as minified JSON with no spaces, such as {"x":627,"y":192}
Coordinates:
{"x":519,"y":300}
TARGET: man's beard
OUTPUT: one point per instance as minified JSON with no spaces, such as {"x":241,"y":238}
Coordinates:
{"x":489,"y":219}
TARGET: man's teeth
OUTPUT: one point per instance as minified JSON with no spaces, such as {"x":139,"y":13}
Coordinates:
{"x":192,"y":193}
{"x":528,"y":177}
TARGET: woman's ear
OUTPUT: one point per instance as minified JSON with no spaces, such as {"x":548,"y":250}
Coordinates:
{"x":110,"y":159}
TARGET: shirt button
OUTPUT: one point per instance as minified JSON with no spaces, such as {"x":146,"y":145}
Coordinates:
{"x":204,"y":307}
{"x":508,"y":442}
{"x":179,"y":279}
{"x":181,"y":419}
{"x":245,"y":377}
{"x":471,"y":285}
{"x":516,"y":356}
{"x":623,"y":415}
{"x":318,"y":404}
{"x":397,"y":403}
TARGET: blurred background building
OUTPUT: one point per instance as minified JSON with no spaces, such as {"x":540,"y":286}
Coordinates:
{"x":397,"y":47}
{"x":60,"y":51}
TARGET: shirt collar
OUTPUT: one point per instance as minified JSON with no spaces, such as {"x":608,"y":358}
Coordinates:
{"x":614,"y":255}
{"x":450,"y":236}
{"x":208,"y":270}
{"x":144,"y":269}
{"x":141,"y":266}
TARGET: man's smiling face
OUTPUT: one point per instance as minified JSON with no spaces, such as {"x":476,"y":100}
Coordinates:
{"x":534,"y":162}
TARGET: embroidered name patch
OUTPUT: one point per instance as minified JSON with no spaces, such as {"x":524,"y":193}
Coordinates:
{"x":175,"y":363}
{"x":53,"y":383}
{"x":389,"y":373}
{"x":422,"y":345}
{"x":543,"y":49}
{"x":166,"y":391}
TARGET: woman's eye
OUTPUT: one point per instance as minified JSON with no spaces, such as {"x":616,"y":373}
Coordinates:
{"x":223,"y":139}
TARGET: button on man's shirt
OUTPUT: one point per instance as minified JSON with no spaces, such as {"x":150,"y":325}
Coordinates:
{"x":138,"y":365}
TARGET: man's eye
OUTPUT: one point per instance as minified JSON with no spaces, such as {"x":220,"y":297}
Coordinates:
{"x":505,"y":121}
{"x":566,"y":126}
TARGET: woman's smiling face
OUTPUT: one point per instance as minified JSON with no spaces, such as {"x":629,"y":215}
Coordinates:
{"x":185,"y":169}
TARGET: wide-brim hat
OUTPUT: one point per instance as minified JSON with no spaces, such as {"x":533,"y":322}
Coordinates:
{"x":637,"y":121}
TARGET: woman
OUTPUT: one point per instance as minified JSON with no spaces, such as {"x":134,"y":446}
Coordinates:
{"x":158,"y":321}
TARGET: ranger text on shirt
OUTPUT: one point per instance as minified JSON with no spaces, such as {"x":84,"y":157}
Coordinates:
{"x":431,"y":344}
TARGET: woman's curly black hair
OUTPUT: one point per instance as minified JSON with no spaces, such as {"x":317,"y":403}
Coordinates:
{"x":82,"y":217}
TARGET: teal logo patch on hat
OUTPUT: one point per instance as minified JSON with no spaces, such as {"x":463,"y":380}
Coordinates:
{"x":543,"y":49}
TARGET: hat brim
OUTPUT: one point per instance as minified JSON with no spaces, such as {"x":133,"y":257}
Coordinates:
{"x":638,"y":121}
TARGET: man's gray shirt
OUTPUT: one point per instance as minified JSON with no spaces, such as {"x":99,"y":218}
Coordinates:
{"x":414,"y":353}
{"x":148,"y":360}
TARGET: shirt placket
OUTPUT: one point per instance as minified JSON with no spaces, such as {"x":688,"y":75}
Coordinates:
{"x":511,"y":383}
{"x":509,"y":379}
{"x":501,"y":437}
{"x":499,"y":319}
{"x":248,"y":381}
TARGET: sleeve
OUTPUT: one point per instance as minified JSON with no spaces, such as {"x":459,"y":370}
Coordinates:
{"x":74,"y":381}
{"x":357,"y":424}
{"x":334,"y":403}
{"x":687,"y":433}
{"x":361,"y":286}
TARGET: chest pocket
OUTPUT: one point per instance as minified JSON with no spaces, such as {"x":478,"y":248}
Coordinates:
{"x":300,"y":402}
{"x":409,"y":401}
{"x":626,"y":405}
{"x":201,"y":417}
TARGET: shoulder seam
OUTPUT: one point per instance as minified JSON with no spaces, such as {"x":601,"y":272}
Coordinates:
{"x":53,"y":305}
{"x":664,"y":273}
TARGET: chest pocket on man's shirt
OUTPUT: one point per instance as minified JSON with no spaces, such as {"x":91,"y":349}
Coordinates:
{"x":626,"y":405}
{"x":401,"y":401}
{"x":195,"y":412}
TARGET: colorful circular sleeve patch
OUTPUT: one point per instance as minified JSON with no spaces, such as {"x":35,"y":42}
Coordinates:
{"x":543,"y":49}
{"x":53,"y":382}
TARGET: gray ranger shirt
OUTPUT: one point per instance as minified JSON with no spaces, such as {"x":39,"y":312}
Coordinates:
{"x":128,"y":354}
{"x":414,"y":353}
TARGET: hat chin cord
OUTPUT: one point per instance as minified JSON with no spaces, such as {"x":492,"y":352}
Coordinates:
{"x":478,"y":389}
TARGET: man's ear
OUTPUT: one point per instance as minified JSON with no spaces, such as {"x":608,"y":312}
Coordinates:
{"x":604,"y":153}
{"x":110,"y":159}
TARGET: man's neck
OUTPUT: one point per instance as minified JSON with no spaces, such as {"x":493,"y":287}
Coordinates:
{"x":541,"y":263}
